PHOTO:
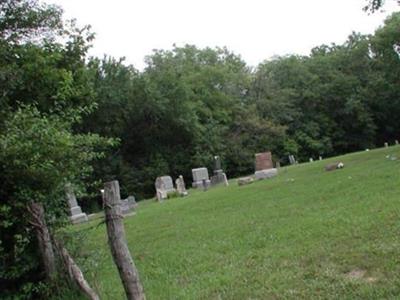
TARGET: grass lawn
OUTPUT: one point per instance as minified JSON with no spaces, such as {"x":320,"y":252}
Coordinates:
{"x":305,"y":234}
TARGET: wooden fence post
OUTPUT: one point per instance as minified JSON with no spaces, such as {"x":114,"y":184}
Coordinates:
{"x":116,"y":239}
{"x":37,"y":219}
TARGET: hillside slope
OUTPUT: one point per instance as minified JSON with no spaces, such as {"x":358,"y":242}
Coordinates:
{"x":304,"y":234}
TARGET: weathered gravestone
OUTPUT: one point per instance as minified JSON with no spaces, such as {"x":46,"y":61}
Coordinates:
{"x":128,"y":205}
{"x":245,"y":180}
{"x":200,"y":174}
{"x":77,"y":216}
{"x":396,"y":142}
{"x":219,"y":176}
{"x":386,"y":145}
{"x":164,"y":186}
{"x":180,"y":186}
{"x":292,"y":160}
{"x":334,"y":166}
{"x":264,"y":166}
{"x":265,"y":174}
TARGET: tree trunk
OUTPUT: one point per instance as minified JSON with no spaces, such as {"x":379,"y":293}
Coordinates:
{"x":75,"y":273}
{"x":116,"y":238}
{"x":43,"y":236}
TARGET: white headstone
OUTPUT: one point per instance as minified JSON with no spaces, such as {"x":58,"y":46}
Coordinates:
{"x":199,"y":175}
{"x":77,"y":216}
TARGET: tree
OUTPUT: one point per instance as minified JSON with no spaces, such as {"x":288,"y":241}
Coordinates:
{"x":45,"y":92}
{"x":375,"y":5}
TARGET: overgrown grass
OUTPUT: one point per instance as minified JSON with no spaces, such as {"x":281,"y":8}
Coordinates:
{"x":306,"y":234}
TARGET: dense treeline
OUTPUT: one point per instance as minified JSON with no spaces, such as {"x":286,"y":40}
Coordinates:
{"x":189,"y":104}
{"x":186,"y":106}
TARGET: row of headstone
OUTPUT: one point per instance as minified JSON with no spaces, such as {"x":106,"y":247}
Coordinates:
{"x":164,"y":186}
{"x":396,"y":142}
{"x":201,"y":178}
{"x":128,"y":206}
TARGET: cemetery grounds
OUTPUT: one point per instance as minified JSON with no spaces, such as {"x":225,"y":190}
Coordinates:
{"x":305,"y":234}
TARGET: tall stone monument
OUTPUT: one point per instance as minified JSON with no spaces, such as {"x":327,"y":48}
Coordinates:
{"x":219,"y":176}
{"x":264,"y":166}
{"x":200,"y":174}
{"x":77,"y":216}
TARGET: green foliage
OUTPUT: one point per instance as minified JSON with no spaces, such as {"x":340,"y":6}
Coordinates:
{"x":375,"y":5}
{"x":45,"y":92}
{"x":38,"y":155}
{"x":190,"y":104}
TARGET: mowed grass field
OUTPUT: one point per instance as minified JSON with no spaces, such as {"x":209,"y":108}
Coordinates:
{"x":305,"y":234}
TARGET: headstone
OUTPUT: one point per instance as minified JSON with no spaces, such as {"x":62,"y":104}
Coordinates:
{"x":219,"y":176}
{"x":198,"y":175}
{"x":263,"y":161}
{"x":386,"y":145}
{"x":180,"y":186}
{"x":77,"y":216}
{"x":311,"y":160}
{"x":334,"y":166}
{"x":264,"y":166}
{"x":128,"y":205}
{"x":396,"y":142}
{"x":245,"y":180}
{"x":277,"y":165}
{"x":265,"y":174}
{"x":292,"y":160}
{"x":164,"y":186}
{"x":320,"y":157}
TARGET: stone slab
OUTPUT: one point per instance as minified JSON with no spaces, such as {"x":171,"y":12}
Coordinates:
{"x":80,"y":218}
{"x":245,"y":180}
{"x":264,"y":174}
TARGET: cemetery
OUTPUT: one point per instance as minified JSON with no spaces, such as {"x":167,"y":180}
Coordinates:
{"x":334,"y":228}
{"x":164,"y":164}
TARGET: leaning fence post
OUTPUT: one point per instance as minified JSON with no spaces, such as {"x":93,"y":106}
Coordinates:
{"x":116,"y":239}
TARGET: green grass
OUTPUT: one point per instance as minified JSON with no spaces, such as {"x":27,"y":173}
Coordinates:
{"x":296,"y":236}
